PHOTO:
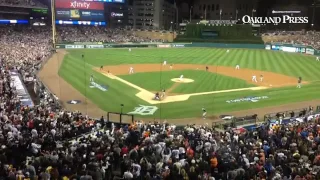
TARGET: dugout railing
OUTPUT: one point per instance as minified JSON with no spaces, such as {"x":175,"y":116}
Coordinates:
{"x":285,"y":114}
{"x":120,"y":118}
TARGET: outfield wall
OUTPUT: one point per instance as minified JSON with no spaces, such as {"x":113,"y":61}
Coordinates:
{"x":159,"y":45}
{"x":275,"y":46}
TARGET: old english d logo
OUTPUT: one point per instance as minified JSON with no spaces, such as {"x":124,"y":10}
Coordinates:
{"x":144,"y":110}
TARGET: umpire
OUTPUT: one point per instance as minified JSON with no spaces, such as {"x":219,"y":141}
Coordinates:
{"x":299,"y":82}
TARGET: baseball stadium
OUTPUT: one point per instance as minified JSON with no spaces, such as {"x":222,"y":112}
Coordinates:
{"x":160,"y":89}
{"x":189,"y":78}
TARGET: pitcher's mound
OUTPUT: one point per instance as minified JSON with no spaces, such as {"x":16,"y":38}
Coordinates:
{"x":184,"y":80}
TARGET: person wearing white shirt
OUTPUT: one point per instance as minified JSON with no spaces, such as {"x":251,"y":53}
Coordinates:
{"x":136,"y":169}
{"x":131,"y":70}
{"x":53,"y":132}
{"x":164,"y":63}
{"x":34,"y":133}
{"x":254,"y":78}
{"x":175,"y":153}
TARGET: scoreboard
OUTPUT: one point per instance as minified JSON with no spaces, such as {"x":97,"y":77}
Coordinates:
{"x":79,"y":12}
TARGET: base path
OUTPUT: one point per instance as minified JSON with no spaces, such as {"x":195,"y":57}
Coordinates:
{"x":270,"y":78}
{"x":63,"y":90}
{"x":148,"y":96}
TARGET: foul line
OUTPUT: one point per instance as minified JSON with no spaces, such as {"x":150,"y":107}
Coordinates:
{"x":148,"y":96}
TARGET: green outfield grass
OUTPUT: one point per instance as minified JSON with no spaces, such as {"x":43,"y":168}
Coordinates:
{"x":77,"y":70}
{"x":203,"y":81}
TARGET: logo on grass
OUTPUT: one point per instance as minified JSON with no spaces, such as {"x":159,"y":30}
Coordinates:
{"x":144,"y":110}
{"x":74,"y":102}
{"x":248,"y":99}
{"x":98,"y":86}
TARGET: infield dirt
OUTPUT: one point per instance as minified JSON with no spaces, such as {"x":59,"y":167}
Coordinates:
{"x":269,"y":78}
{"x":65,"y":92}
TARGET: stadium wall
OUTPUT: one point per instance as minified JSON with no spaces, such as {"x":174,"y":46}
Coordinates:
{"x":309,"y":50}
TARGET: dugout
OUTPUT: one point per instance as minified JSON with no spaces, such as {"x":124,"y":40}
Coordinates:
{"x":120,"y":118}
{"x":284,"y":114}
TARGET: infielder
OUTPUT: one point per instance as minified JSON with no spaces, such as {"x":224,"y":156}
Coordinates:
{"x":207,"y":68}
{"x":91,"y":78}
{"x":101,"y":68}
{"x":237,"y":67}
{"x":299,"y":82}
{"x":163,"y":93}
{"x":254,"y":78}
{"x":181,"y":78}
{"x":261,"y":78}
{"x":164,"y":63}
{"x":204,"y":113}
{"x":318,"y":59}
{"x":171,"y":66}
{"x":131,"y":70}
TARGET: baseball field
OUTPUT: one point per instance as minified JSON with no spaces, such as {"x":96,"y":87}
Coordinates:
{"x":220,"y":90}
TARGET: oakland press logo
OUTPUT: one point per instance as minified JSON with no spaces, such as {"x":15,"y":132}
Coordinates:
{"x":285,"y":19}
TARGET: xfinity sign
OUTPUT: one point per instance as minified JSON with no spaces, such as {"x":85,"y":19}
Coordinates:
{"x":76,"y":4}
{"x":285,"y":19}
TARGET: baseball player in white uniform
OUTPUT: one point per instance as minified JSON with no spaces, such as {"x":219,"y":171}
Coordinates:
{"x":318,"y":59}
{"x":163,"y":93}
{"x":129,"y":49}
{"x":164,"y":63}
{"x":254,"y":78}
{"x":204,"y":113}
{"x":181,"y":78}
{"x":228,"y":51}
{"x":237,"y":67}
{"x":131,"y":70}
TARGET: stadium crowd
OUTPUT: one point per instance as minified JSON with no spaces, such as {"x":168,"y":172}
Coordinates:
{"x":311,"y":38}
{"x":47,"y":142}
{"x":98,"y":34}
{"x":25,"y":3}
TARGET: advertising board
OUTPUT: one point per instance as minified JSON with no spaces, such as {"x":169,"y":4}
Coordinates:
{"x":93,"y":46}
{"x":78,"y":14}
{"x":79,"y":10}
{"x":76,"y":4}
{"x":309,"y":51}
{"x":268,"y":47}
{"x":164,"y":46}
{"x":88,"y":23}
{"x":289,"y":49}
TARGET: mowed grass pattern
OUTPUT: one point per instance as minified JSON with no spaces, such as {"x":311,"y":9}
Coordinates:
{"x":203,"y":81}
{"x":291,"y":64}
{"x":76,"y":71}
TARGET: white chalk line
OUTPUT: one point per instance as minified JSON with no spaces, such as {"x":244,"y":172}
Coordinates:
{"x":148,"y":96}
